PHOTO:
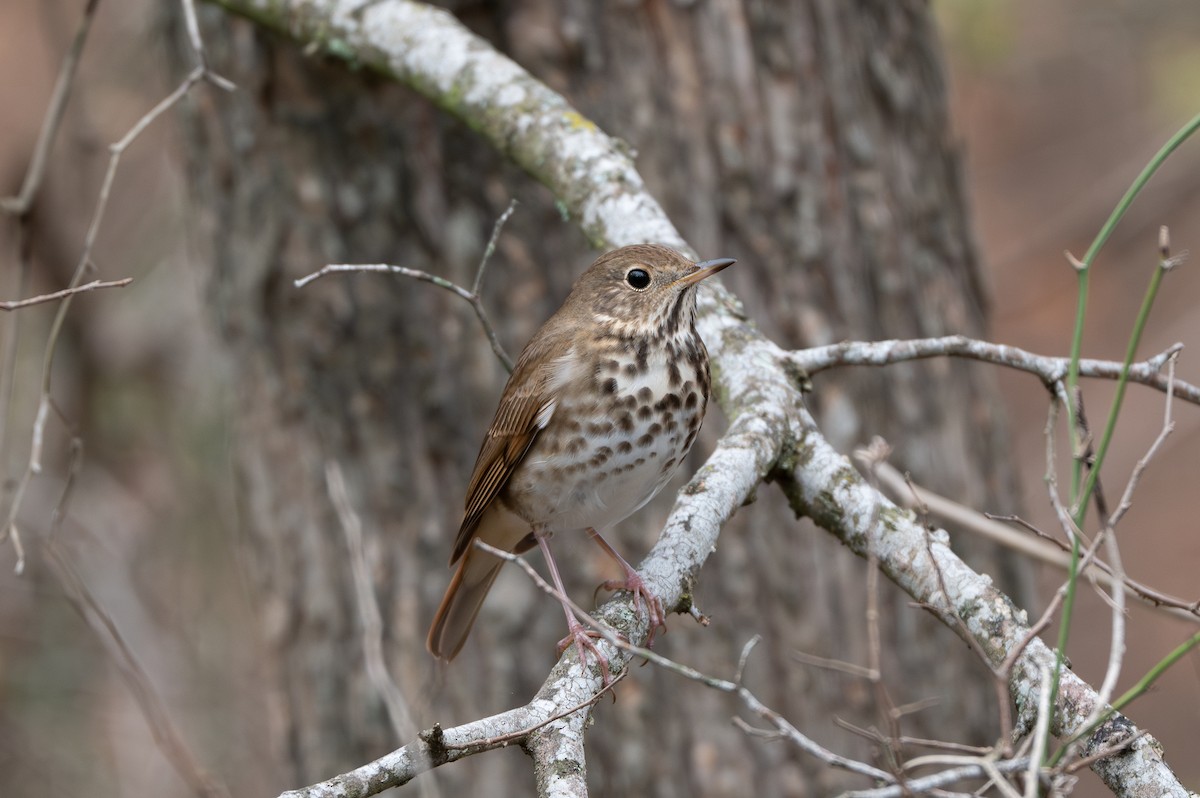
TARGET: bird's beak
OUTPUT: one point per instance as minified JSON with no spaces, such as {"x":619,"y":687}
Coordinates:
{"x":703,"y":269}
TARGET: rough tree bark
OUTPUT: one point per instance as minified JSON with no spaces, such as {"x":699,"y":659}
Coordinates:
{"x":808,"y":139}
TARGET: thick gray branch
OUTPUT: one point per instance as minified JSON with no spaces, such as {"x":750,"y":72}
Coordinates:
{"x":757,"y":387}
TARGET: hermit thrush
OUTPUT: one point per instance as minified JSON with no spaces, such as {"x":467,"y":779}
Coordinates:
{"x":603,"y":404}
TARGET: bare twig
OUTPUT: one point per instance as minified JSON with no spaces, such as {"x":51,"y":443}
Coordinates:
{"x":1168,"y":426}
{"x":1087,"y":453}
{"x":1048,"y":369}
{"x":23,"y":201}
{"x":202,"y":58}
{"x":14,"y":532}
{"x":470,"y":296}
{"x":833,"y":664}
{"x":745,"y":657}
{"x":368,"y":608}
{"x":12,"y":333}
{"x":975,"y":769}
{"x":955,"y":619}
{"x":1116,"y":650}
{"x":417,"y":274}
{"x":1117,"y":645}
{"x":59,"y":514}
{"x":166,"y":735}
{"x":946,"y":745}
{"x":782,"y":726}
{"x":1041,"y":731}
{"x":1047,"y":549}
{"x":871,"y":457}
{"x":1103,"y":753}
{"x":94,"y":285}
{"x":20,"y":206}
{"x":116,"y":150}
{"x":490,"y":249}
{"x":193,"y":30}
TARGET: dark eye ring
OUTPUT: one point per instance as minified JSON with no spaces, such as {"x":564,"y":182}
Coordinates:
{"x":637,"y":278}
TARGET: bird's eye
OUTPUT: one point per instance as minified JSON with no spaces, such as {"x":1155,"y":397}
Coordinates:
{"x":637,"y":278}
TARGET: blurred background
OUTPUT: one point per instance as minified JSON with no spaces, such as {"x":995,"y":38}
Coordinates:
{"x":1060,"y":105}
{"x":1057,"y":105}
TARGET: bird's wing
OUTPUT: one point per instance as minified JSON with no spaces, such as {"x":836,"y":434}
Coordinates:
{"x":524,"y":411}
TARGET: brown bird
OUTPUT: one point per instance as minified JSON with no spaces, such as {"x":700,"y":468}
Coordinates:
{"x":602,"y":406}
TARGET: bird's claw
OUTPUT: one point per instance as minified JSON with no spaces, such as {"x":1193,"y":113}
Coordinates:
{"x":582,"y":637}
{"x":656,"y":614}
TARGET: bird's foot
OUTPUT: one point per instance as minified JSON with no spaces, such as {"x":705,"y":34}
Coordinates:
{"x":657,"y":616}
{"x":583,"y":639}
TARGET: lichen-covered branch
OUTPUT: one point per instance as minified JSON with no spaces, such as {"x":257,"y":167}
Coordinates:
{"x":591,"y":173}
{"x":432,"y":748}
{"x":757,"y":385}
{"x":825,"y":486}
{"x":1150,"y":372}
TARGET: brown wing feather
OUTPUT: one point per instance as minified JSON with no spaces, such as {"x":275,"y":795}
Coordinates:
{"x":513,"y":431}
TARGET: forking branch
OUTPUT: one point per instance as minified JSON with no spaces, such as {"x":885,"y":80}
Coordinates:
{"x":470,"y":295}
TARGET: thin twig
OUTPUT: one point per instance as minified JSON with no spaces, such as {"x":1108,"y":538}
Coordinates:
{"x":1048,"y":550}
{"x":13,"y":531}
{"x":1041,"y":731}
{"x":193,"y":29}
{"x":782,"y":726}
{"x":471,"y":295}
{"x":1117,"y":646}
{"x":19,"y":206}
{"x":368,"y":607}
{"x":1116,"y":650}
{"x":94,"y":285}
{"x":12,"y":333}
{"x":848,"y":668}
{"x":166,"y":736}
{"x":491,"y":246}
{"x":75,"y":463}
{"x":975,"y":769}
{"x":871,"y":457}
{"x":1088,"y":456}
{"x":1104,"y":753}
{"x":745,"y":657}
{"x":1049,"y":369}
{"x":946,"y":745}
{"x":426,"y":277}
{"x":23,"y":201}
{"x":1071,"y":529}
{"x":1168,"y":426}
{"x":952,"y":613}
{"x":34,"y":464}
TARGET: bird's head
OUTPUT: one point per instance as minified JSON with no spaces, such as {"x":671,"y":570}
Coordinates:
{"x":643,"y":289}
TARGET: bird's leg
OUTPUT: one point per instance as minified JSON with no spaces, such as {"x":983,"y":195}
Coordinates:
{"x":635,"y":585}
{"x":576,"y":631}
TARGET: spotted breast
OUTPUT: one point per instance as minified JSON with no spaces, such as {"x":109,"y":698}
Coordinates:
{"x":609,"y":449}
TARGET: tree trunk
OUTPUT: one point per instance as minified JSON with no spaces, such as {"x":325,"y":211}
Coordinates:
{"x":810,"y":140}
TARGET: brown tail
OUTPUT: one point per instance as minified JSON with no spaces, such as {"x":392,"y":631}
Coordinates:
{"x":469,"y":587}
{"x":476,"y":571}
